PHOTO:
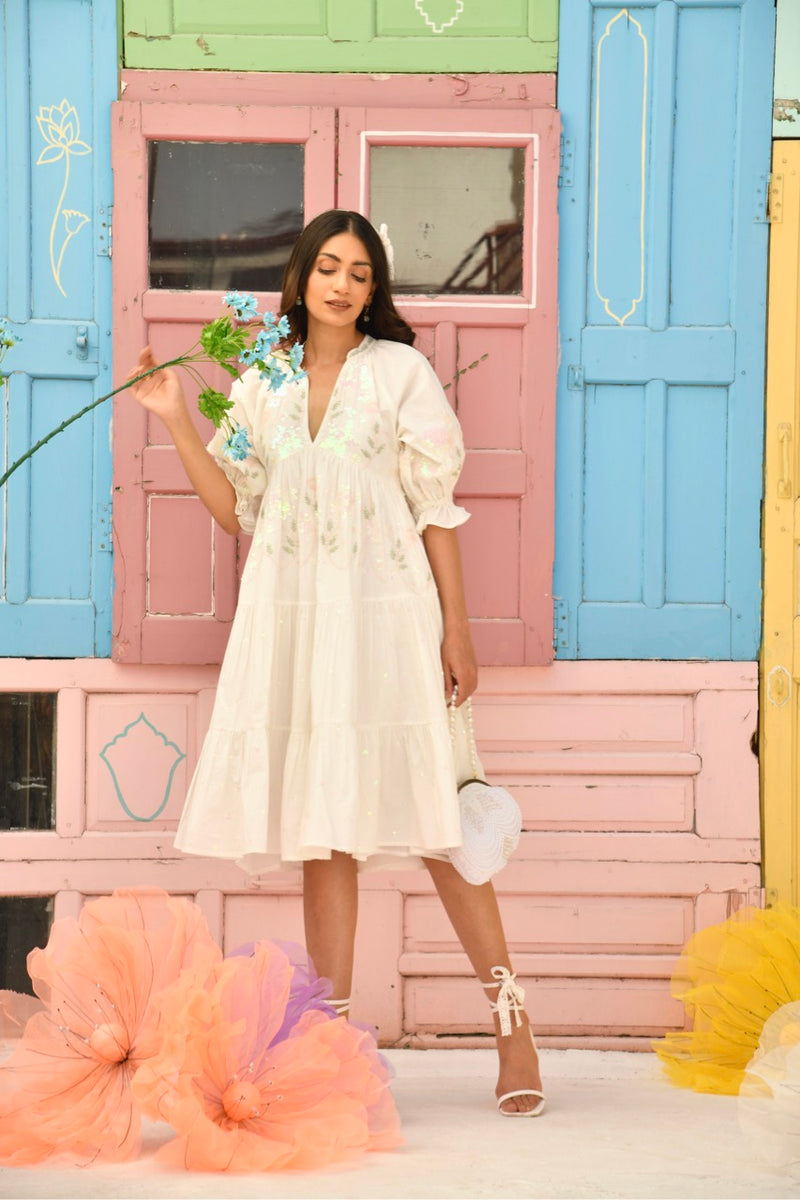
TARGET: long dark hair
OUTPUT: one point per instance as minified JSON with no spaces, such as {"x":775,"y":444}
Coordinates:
{"x":384,"y":319}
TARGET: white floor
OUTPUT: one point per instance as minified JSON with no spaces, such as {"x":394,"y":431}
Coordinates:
{"x":613,"y":1128}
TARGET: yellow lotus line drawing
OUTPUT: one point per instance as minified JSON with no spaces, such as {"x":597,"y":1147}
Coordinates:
{"x":60,"y":128}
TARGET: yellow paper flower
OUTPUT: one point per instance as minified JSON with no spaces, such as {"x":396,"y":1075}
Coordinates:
{"x":60,"y":129}
{"x":732,"y":977}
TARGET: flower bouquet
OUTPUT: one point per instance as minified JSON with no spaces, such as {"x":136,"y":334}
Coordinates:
{"x":244,"y":338}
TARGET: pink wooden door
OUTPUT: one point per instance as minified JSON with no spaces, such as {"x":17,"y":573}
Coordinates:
{"x":478,"y":190}
{"x":180,"y":241}
{"x":470,"y":198}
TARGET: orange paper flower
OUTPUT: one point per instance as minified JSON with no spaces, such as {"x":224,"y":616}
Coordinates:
{"x":66,"y":1088}
{"x":240,"y":1100}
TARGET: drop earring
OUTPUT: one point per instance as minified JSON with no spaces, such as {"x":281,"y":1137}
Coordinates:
{"x":299,"y":302}
{"x":365,"y":315}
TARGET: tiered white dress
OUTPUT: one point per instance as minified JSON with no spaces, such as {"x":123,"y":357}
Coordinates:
{"x":330,"y":729}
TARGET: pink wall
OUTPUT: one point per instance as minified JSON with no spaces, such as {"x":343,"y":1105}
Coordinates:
{"x":640,"y":800}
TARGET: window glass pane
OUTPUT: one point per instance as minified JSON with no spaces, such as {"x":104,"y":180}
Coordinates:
{"x":24,"y":924}
{"x":27,"y":733}
{"x":223,"y":215}
{"x":454,"y":214}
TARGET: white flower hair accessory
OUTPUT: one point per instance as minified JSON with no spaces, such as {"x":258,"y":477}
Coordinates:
{"x":383,"y":234}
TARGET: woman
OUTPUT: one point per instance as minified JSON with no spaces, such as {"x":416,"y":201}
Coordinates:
{"x":330,"y":742}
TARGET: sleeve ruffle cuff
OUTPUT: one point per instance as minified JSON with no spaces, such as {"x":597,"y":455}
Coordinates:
{"x":445,"y":515}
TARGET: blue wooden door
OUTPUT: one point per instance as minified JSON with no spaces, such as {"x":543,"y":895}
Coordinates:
{"x":666,"y":117}
{"x":59,"y":78}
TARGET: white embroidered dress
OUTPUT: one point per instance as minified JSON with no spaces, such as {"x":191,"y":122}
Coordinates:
{"x":330,"y":729}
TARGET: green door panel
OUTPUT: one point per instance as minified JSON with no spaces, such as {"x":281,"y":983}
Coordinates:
{"x":342,"y":35}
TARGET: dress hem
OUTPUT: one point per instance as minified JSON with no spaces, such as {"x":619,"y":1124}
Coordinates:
{"x":261,"y":862}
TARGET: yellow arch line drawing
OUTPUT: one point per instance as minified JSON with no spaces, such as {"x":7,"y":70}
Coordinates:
{"x":604,"y":299}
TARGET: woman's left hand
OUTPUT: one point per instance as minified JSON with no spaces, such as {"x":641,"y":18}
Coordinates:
{"x":459,"y":664}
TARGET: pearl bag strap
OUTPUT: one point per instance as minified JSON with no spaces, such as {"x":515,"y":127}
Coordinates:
{"x":473,"y":753}
{"x":510,"y":998}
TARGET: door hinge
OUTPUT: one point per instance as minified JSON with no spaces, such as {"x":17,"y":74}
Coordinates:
{"x":560,"y":624}
{"x":775,"y":199}
{"x":575,"y":377}
{"x":565,"y":162}
{"x":102,"y":525}
{"x":103,"y":227}
{"x":762,"y":199}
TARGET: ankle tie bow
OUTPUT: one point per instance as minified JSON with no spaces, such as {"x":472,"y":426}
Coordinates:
{"x":510,"y":998}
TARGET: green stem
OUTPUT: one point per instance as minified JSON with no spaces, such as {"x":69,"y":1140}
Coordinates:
{"x":174,"y":362}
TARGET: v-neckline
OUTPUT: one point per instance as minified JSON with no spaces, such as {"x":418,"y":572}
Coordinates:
{"x":350,"y":353}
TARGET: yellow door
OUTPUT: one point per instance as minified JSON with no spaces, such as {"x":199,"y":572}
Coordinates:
{"x":780,"y":655}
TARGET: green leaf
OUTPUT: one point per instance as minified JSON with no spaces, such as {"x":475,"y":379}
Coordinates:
{"x":214,"y":405}
{"x":221,"y":341}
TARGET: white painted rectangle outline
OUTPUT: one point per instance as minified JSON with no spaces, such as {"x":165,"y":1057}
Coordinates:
{"x":443,"y":137}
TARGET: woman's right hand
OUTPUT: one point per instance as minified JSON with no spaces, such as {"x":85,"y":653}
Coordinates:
{"x":160,"y":393}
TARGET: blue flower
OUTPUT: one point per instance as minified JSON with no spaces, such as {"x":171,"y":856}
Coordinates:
{"x":7,"y":338}
{"x":275,"y":377}
{"x":244,"y":306}
{"x":266,"y":341}
{"x":249,"y":356}
{"x":237,"y":445}
{"x":296,"y":356}
{"x":269,"y":318}
{"x":283,"y":327}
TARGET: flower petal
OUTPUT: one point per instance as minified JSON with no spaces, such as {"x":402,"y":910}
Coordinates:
{"x":50,"y":153}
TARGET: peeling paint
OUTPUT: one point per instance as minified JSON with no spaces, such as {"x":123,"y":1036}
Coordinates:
{"x":149,"y":37}
{"x":786,"y":110}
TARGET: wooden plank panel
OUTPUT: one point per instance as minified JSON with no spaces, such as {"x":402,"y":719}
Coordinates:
{"x":489,"y":551}
{"x":587,"y":1006}
{"x":179,"y":556}
{"x":326,"y":35}
{"x":779,"y":653}
{"x":726,"y":794}
{"x":140,"y":752}
{"x":596,"y":803}
{"x":587,"y":722}
{"x":593,"y":965}
{"x":564,"y":923}
{"x":517,"y":91}
{"x":488,"y":395}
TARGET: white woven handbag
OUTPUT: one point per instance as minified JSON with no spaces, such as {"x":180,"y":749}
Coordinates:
{"x":491,"y":821}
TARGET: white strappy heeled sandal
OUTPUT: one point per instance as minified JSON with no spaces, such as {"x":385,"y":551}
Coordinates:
{"x":341,"y":1007}
{"x":510,"y":998}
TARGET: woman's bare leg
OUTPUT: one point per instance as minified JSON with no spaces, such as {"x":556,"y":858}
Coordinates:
{"x":330,"y":909}
{"x":476,"y":919}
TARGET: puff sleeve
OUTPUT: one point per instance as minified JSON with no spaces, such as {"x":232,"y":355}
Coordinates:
{"x":431,"y":450}
{"x":248,"y":475}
